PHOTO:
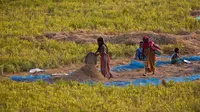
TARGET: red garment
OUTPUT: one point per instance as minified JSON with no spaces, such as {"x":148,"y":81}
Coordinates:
{"x":145,"y":37}
{"x":105,"y":61}
{"x":150,"y":44}
{"x":105,"y":65}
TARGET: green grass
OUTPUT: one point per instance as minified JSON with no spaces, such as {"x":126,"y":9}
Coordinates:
{"x":75,"y":97}
{"x":33,"y":17}
{"x":169,"y":49}
{"x":22,"y":55}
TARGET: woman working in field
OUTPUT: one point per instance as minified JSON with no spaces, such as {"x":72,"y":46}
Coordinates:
{"x":105,"y":59}
{"x":149,"y":49}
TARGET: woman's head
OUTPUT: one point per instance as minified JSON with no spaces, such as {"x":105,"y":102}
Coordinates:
{"x":141,"y":44}
{"x":145,"y":39}
{"x":176,"y":50}
{"x":100,"y":41}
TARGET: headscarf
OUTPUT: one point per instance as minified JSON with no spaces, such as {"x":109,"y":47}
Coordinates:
{"x":150,"y":44}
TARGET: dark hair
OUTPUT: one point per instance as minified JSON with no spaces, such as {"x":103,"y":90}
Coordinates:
{"x":141,"y":42}
{"x":103,"y":43}
{"x":176,"y":50}
{"x":100,"y":39}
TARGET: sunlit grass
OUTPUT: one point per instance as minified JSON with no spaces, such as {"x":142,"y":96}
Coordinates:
{"x":32,"y":17}
{"x":75,"y":97}
{"x":22,"y":55}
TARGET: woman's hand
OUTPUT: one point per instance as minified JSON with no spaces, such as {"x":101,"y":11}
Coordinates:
{"x":96,"y":53}
{"x":157,"y":46}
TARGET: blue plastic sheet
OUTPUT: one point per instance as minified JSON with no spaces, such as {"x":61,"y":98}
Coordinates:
{"x":136,"y":82}
{"x":137,"y":64}
{"x":117,"y":83}
{"x":164,"y":56}
{"x":131,"y":66}
{"x":144,"y":82}
{"x":30,"y":78}
{"x":159,"y":63}
{"x":192,"y":58}
{"x":198,"y":18}
{"x":153,"y":81}
{"x":183,"y":78}
{"x":89,"y":82}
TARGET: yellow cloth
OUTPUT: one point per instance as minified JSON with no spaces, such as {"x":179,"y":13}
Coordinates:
{"x":150,"y":60}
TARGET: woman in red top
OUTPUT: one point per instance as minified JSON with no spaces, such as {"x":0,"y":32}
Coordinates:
{"x":149,"y":49}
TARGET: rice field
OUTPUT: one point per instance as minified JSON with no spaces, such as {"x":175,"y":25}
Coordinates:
{"x":74,"y":97}
{"x":33,"y":17}
{"x":27,"y":18}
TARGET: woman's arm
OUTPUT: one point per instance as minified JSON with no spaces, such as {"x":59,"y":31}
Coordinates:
{"x":97,"y":53}
{"x":103,"y":49}
{"x":157,"y":46}
{"x":178,"y":56}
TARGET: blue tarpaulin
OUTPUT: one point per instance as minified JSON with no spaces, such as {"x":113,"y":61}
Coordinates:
{"x":131,"y":66}
{"x":30,"y":78}
{"x":198,"y":18}
{"x":144,"y":82}
{"x":136,"y":82}
{"x":117,"y":83}
{"x":137,"y":64}
{"x":192,"y":58}
{"x":184,"y":78}
{"x":153,"y":81}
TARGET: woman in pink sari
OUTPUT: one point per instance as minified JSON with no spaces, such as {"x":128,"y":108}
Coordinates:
{"x":105,"y":59}
{"x":149,"y":50}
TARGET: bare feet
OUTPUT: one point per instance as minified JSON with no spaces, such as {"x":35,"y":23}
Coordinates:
{"x":111,"y":76}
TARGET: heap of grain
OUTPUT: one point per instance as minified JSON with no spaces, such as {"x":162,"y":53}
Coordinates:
{"x":87,"y":72}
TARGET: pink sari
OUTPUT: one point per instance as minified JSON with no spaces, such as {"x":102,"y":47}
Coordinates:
{"x":105,"y":62}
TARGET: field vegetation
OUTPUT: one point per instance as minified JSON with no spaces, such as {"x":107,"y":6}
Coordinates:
{"x":32,"y":17}
{"x":75,"y":97}
{"x":35,"y":17}
{"x":20,"y":55}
